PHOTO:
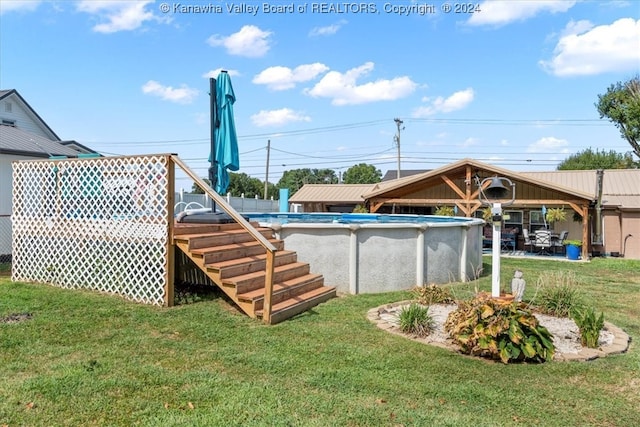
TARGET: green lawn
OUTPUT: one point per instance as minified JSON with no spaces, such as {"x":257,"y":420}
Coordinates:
{"x":90,"y":359}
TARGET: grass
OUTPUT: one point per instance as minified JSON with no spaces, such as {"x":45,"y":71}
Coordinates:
{"x":95,"y":360}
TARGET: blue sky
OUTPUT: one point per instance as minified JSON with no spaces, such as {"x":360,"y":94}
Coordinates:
{"x":513,"y":83}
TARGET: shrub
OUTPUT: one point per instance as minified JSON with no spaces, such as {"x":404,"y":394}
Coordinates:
{"x":590,"y":326}
{"x":432,"y":294}
{"x":415,"y":319}
{"x":558,"y":293}
{"x":360,"y":209}
{"x":445,"y":211}
{"x":499,"y":330}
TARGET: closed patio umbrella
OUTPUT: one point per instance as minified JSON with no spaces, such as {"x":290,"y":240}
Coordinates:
{"x":224,"y":155}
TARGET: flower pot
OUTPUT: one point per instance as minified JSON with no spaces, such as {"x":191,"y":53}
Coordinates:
{"x":573,"y":252}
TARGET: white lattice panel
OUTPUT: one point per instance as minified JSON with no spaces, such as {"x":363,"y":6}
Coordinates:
{"x":98,"y":223}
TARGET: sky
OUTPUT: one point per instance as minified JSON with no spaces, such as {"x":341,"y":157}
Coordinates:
{"x":511,"y":83}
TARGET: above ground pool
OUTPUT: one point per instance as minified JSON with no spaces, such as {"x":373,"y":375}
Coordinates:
{"x":366,"y":253}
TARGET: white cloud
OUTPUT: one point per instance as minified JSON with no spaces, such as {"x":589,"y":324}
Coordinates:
{"x":587,"y":50}
{"x":18,"y":6}
{"x":282,"y":78}
{"x":279,"y":117}
{"x":329,"y":30}
{"x":250,"y":41}
{"x":344,"y":90}
{"x":549,"y":145}
{"x":501,"y":12}
{"x":469,"y":142}
{"x":119,"y":15}
{"x":457,"y":101}
{"x":181,"y":95}
{"x":214,"y":73}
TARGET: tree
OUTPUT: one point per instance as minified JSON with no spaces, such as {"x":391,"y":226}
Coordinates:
{"x":296,"y":178}
{"x":621,"y":105}
{"x":362,"y":174}
{"x":241,"y":183}
{"x":589,"y":159}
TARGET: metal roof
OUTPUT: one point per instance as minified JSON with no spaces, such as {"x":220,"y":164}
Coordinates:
{"x":16,"y":141}
{"x":620,"y":187}
{"x":331,"y":193}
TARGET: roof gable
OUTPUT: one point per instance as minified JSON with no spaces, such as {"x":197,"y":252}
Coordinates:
{"x":35,"y":120}
{"x":404,"y":186}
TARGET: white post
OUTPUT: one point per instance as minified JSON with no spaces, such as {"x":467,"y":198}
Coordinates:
{"x":496,"y":210}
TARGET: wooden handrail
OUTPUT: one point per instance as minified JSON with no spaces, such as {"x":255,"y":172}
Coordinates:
{"x":270,"y":248}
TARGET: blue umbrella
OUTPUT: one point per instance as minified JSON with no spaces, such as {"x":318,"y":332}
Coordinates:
{"x":225,"y":138}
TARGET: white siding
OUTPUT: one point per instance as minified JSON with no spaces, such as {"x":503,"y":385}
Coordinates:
{"x":23,"y":118}
{"x":6,"y":182}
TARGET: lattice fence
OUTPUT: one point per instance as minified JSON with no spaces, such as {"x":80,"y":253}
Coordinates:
{"x":99,"y":223}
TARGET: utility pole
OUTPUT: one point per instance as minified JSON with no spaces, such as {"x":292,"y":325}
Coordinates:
{"x":266,"y":178}
{"x":396,"y":139}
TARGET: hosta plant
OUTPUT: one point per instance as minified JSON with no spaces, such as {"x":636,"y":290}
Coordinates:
{"x":501,"y":330}
{"x":416,"y":320}
{"x":590,"y":326}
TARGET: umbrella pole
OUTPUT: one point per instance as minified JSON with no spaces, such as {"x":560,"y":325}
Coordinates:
{"x":213,"y":170}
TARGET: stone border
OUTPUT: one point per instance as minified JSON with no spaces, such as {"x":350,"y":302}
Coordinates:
{"x":619,"y":345}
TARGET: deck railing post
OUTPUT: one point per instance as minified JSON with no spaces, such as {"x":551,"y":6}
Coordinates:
{"x":268,"y":288}
{"x":170,"y":249}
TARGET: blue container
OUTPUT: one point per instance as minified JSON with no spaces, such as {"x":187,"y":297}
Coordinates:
{"x":573,"y":252}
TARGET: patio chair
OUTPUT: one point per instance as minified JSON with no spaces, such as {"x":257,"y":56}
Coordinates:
{"x":543,"y":241}
{"x":559,"y":242}
{"x":527,"y":240}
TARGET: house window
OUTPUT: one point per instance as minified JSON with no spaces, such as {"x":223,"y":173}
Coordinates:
{"x":7,"y":107}
{"x":513,"y":219}
{"x":536,"y":221}
{"x":8,"y":122}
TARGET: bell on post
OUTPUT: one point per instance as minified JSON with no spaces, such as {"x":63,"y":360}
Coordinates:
{"x":496,"y":190}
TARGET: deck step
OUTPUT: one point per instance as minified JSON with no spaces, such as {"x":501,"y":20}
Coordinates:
{"x":181,"y":229}
{"x":290,"y":307}
{"x":250,"y":264}
{"x":283,"y":290}
{"x":251,"y":281}
{"x":224,"y":238}
{"x":213,"y":254}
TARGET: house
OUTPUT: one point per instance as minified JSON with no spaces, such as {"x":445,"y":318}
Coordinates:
{"x":609,"y":223}
{"x":24,"y":135}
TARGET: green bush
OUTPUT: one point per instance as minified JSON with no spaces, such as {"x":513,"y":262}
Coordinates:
{"x":590,"y":326}
{"x":559,"y":294}
{"x":445,"y":211}
{"x":415,"y":319}
{"x":499,"y":330}
{"x":432,"y":294}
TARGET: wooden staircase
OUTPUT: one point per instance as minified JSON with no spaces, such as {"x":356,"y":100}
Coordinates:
{"x":236,"y":262}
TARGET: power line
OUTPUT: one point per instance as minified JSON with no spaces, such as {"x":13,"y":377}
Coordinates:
{"x":349,"y":126}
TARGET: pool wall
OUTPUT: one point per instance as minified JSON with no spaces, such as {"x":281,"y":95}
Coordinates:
{"x":368,"y":258}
